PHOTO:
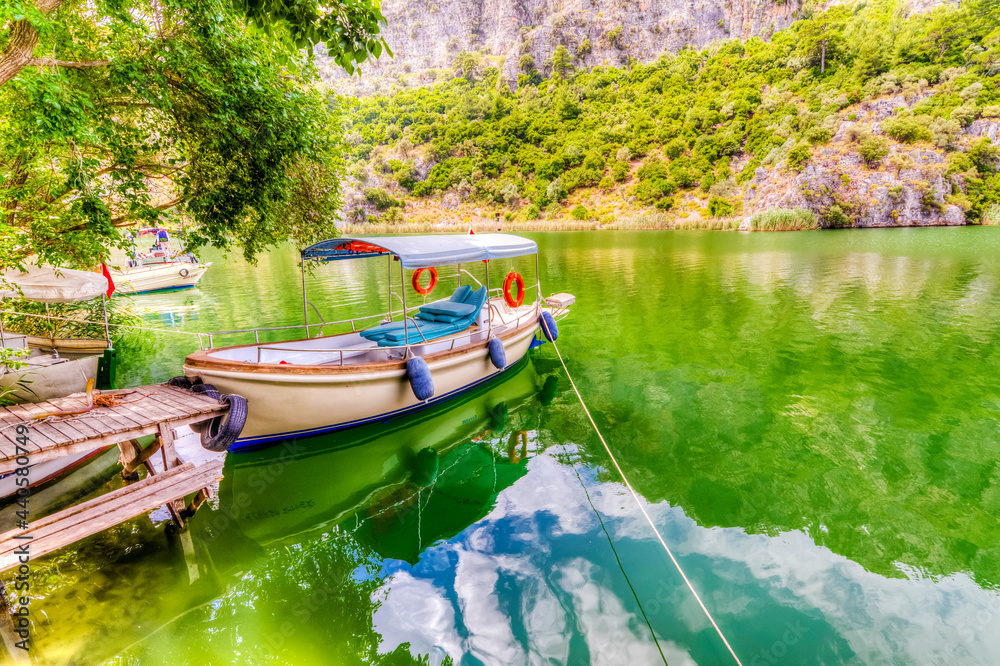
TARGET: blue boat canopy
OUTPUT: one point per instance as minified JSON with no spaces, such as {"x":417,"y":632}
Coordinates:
{"x":424,"y":251}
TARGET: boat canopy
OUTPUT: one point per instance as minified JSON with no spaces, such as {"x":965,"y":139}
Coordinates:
{"x":424,"y":251}
{"x":43,"y":284}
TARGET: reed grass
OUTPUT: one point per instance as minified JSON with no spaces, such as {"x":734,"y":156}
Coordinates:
{"x":992,"y":214}
{"x":784,"y":219}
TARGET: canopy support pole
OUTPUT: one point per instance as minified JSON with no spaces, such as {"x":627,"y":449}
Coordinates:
{"x":489,"y":308}
{"x":305,"y":306}
{"x":538,"y":279}
{"x":107,"y":332}
{"x":3,"y":337}
{"x":52,"y":333}
{"x":389,"y":283}
{"x":402,"y":286}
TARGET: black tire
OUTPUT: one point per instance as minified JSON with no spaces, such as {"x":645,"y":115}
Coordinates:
{"x":207,"y":390}
{"x":180,"y":382}
{"x":183,"y":272}
{"x":221,"y":433}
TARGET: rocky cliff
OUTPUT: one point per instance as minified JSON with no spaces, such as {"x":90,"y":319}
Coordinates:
{"x":426,"y":35}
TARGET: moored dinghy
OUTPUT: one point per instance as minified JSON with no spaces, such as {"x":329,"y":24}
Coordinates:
{"x":436,"y":351}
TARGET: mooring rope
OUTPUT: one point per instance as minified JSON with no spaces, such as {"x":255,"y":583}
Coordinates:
{"x":635,"y":496}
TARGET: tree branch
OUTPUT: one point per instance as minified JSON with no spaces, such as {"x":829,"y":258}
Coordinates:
{"x":50,"y":62}
{"x":23,"y":39}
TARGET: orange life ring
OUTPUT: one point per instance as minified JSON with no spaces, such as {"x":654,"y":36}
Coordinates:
{"x":513,"y":277}
{"x":423,"y":291}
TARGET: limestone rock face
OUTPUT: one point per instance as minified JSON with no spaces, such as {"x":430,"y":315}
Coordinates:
{"x":426,"y":35}
{"x":909,"y":187}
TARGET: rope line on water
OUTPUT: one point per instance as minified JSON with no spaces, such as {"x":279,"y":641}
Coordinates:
{"x":614,"y":550}
{"x":635,"y":496}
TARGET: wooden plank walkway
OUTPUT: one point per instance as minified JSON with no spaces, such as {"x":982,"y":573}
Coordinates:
{"x":148,"y":410}
{"x":141,"y":412}
{"x":88,"y":518}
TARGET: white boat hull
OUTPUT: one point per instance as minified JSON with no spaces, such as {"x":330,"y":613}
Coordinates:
{"x":287,"y":401}
{"x":178,"y":275}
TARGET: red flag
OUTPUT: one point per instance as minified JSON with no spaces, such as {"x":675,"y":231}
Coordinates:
{"x":106,"y":273}
{"x":471,"y":232}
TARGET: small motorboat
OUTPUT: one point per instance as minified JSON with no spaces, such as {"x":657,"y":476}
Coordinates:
{"x":52,"y":366}
{"x":160,"y":268}
{"x":182,"y":272}
{"x":406,"y":359}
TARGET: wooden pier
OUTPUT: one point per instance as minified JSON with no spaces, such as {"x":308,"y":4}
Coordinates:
{"x":126,"y":416}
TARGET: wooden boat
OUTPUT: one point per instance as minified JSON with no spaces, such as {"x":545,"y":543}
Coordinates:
{"x":55,"y":367}
{"x":416,"y":357}
{"x":159,"y":276}
{"x":160,"y":268}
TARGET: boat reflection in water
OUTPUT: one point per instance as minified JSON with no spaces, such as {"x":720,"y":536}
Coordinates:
{"x":397,"y":486}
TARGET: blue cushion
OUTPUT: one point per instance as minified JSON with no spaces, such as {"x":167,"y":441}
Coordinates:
{"x":460,"y":294}
{"x":476,"y":298}
{"x":448,"y":308}
{"x":448,"y":319}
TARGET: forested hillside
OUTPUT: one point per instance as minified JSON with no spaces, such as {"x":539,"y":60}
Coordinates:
{"x":858,"y":115}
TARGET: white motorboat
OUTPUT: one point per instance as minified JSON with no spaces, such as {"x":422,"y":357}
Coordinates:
{"x":55,"y":366}
{"x":159,"y":268}
{"x":414,"y":358}
{"x":161,"y":276}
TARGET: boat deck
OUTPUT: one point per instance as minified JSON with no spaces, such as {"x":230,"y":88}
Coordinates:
{"x":38,"y":432}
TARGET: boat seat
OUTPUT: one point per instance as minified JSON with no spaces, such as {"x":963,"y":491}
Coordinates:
{"x":427,"y":326}
{"x":434,"y":320}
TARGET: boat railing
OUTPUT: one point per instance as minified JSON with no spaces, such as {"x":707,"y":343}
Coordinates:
{"x":340,"y":351}
{"x":323,"y":323}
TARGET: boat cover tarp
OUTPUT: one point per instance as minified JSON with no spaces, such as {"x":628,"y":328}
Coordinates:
{"x":42,"y":284}
{"x":427,"y":251}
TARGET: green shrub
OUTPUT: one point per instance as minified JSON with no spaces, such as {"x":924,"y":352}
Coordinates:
{"x":619,"y":171}
{"x":834,"y":217}
{"x":606,"y":184}
{"x":783,"y":219}
{"x":719,"y":207}
{"x":652,"y":170}
{"x":873,"y":150}
{"x":532,"y":212}
{"x":984,"y":155}
{"x":666,"y":203}
{"x":798,"y":156}
{"x":580,"y":212}
{"x":818,"y":135}
{"x":675,"y":148}
{"x":906,"y":130}
{"x":381,"y":199}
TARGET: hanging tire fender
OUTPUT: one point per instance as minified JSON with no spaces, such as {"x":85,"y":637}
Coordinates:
{"x":498,"y":356}
{"x":222,"y":432}
{"x":549,"y":328}
{"x":419,"y":375}
{"x":183,"y":272}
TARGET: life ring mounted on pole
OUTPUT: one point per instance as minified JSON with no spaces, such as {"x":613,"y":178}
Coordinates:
{"x":423,"y":291}
{"x":508,"y":296}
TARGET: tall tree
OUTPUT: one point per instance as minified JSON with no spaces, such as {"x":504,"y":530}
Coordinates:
{"x":114,"y":112}
{"x":820,"y":36}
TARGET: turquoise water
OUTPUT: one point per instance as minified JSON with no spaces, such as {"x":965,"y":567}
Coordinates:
{"x":810,"y":419}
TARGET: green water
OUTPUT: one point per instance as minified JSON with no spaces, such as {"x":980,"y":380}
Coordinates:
{"x":811,"y":419}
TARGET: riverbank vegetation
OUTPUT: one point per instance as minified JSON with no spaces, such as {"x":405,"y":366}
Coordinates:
{"x":684,"y":135}
{"x":139,"y":110}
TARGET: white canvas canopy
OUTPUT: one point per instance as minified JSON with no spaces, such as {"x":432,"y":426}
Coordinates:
{"x":42,"y":284}
{"x":427,"y":251}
